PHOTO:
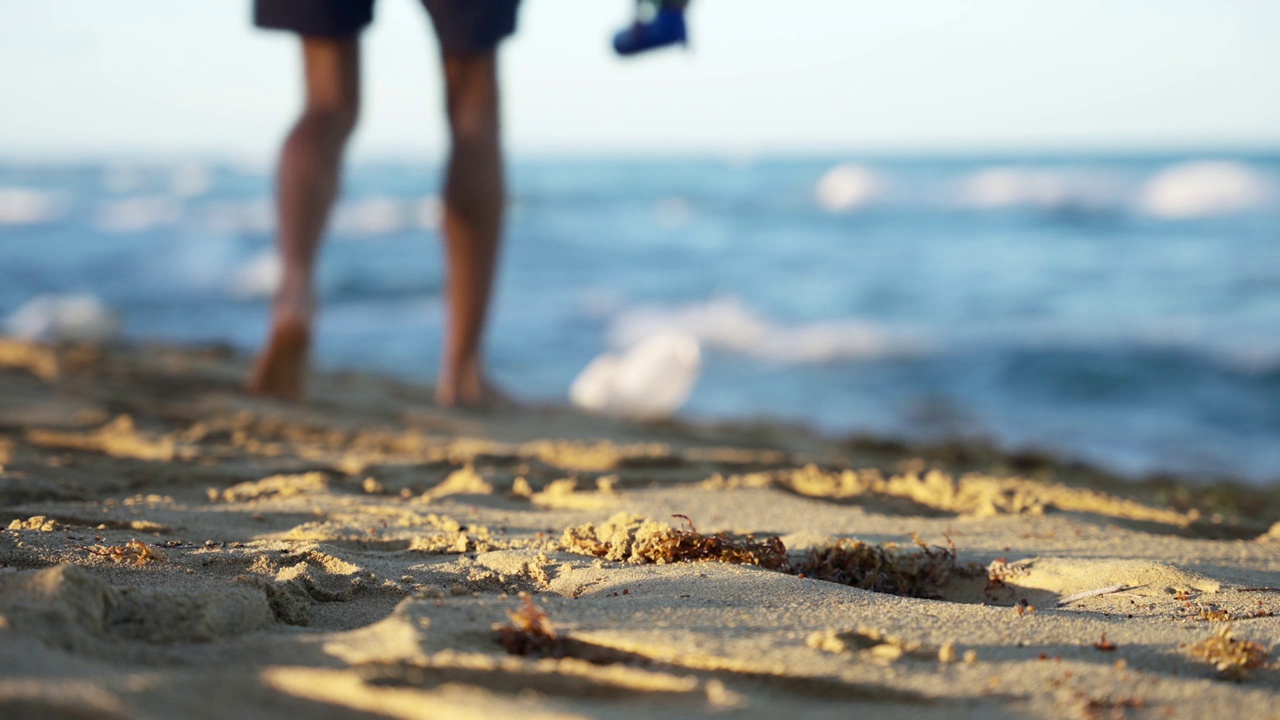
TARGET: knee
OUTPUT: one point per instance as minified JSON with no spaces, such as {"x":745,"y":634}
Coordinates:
{"x":335,"y":121}
{"x":472,"y":102}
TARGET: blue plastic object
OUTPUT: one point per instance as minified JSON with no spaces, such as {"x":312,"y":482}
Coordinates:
{"x":666,"y":28}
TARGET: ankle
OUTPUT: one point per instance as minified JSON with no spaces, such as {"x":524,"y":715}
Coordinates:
{"x":295,"y":300}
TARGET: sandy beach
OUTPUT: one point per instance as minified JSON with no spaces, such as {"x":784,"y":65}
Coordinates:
{"x":177,"y":549}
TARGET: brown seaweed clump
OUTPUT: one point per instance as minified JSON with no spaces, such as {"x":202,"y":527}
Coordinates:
{"x":1231,"y":657}
{"x":134,"y":552}
{"x":885,"y":568}
{"x":625,"y":538}
{"x":530,"y":631}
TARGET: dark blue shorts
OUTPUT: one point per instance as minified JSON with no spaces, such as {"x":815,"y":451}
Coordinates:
{"x":463,"y":26}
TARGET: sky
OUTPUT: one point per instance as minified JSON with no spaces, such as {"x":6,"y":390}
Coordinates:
{"x":192,"y":77}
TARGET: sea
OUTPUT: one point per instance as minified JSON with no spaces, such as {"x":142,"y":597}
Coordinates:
{"x":1122,"y":311}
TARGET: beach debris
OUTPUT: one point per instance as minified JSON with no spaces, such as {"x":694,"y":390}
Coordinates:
{"x":1216,"y":614}
{"x":681,"y":545}
{"x":1117,"y":708}
{"x":134,"y":552}
{"x":999,"y":572}
{"x":627,"y":538}
{"x":1121,"y":587}
{"x":1104,"y":645}
{"x":885,"y":568}
{"x":529,"y":631}
{"x":1230,"y":656}
{"x":878,"y":568}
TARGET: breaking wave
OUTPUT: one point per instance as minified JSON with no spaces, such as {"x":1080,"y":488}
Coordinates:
{"x":728,"y":325}
{"x":1205,"y":189}
{"x":24,"y":206}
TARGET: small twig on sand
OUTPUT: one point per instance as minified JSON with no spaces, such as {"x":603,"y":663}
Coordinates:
{"x":1092,"y":593}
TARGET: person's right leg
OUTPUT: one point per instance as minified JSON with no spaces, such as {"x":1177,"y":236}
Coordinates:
{"x":474,"y":204}
{"x":470,"y":32}
{"x":307,"y":184}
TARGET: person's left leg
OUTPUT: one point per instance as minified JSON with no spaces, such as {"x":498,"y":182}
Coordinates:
{"x":306,"y":186}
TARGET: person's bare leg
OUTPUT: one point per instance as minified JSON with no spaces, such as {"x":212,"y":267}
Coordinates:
{"x":307,"y":183}
{"x":474,"y":204}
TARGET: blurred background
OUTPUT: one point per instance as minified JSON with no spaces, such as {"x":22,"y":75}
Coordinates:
{"x":1049,"y":225}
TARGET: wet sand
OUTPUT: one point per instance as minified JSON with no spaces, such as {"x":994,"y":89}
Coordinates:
{"x":178,"y":549}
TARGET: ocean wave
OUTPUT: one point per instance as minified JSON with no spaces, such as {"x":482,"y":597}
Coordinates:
{"x":64,"y":318}
{"x":726,"y":324}
{"x":190,"y":180}
{"x":258,"y":278}
{"x":672,"y":213}
{"x":1010,"y":187}
{"x":256,"y":216}
{"x":382,"y":215}
{"x":847,"y":187}
{"x":1205,"y":189}
{"x":122,"y":179}
{"x":137,"y":214}
{"x":24,"y":206}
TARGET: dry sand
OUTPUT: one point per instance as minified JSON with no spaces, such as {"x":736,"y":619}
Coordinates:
{"x":176,"y":549}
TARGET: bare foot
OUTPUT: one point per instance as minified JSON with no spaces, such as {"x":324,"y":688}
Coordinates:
{"x":279,"y":370}
{"x":477,"y":393}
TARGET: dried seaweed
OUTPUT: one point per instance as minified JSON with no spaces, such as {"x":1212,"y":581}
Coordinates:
{"x":530,"y":631}
{"x":1231,"y":657}
{"x":135,"y":552}
{"x":689,"y":545}
{"x":625,"y":538}
{"x":879,"y":568}
{"x":885,"y":568}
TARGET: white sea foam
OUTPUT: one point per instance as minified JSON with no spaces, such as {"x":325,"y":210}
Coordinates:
{"x":64,"y":318}
{"x":190,"y":180}
{"x":1205,"y":189}
{"x":727,"y":324}
{"x":373,"y":216}
{"x":672,"y":213}
{"x":848,"y":187}
{"x":428,"y":212}
{"x":258,"y":278}
{"x":136,"y":214}
{"x":1048,"y":189}
{"x":1005,"y":187}
{"x":648,"y":382}
{"x":24,"y":206}
{"x":122,"y":179}
{"x":232,"y":218}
